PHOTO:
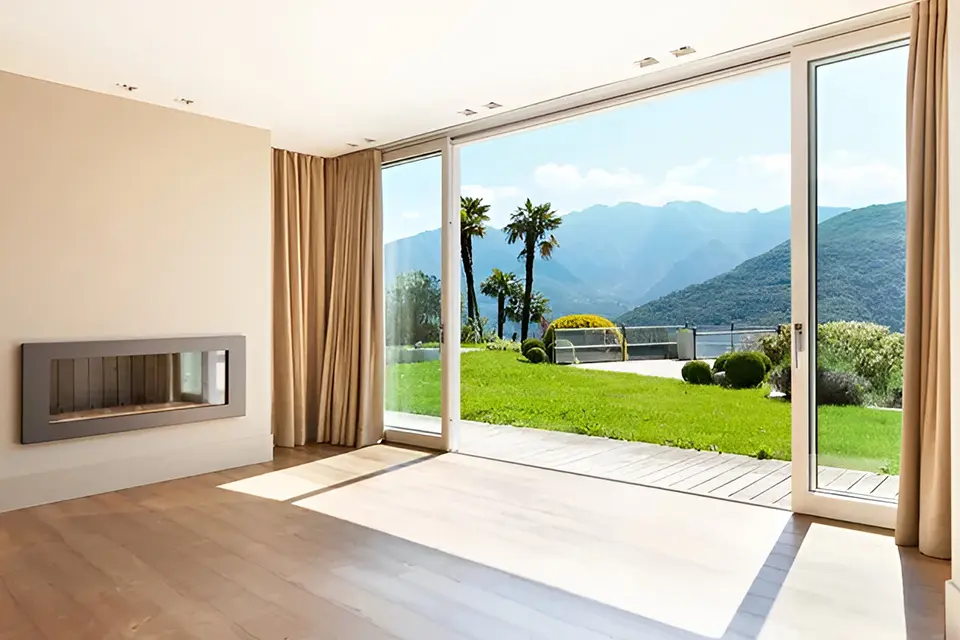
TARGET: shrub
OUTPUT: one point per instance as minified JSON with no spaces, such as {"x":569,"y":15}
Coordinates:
{"x":536,"y":355}
{"x":868,"y":350}
{"x":529,"y":343}
{"x":744,"y":369}
{"x":776,"y":346}
{"x":583,"y":321}
{"x":697,"y":372}
{"x":781,"y":378}
{"x":840,"y":388}
{"x":720,"y":362}
{"x":503,"y":345}
{"x":767,"y":363}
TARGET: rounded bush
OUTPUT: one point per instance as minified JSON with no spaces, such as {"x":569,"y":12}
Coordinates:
{"x":840,"y":388}
{"x":536,"y":355}
{"x":529,"y":343}
{"x":744,"y":370}
{"x":697,"y":372}
{"x":767,"y":362}
{"x":581,"y":321}
{"x":720,"y":362}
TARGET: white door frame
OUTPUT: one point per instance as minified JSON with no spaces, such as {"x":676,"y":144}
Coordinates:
{"x":803,"y":61}
{"x":449,"y":437}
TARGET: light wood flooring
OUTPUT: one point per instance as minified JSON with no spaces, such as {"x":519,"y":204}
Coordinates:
{"x":393,"y":543}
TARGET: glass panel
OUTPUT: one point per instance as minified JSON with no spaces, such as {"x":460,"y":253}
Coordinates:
{"x":85,"y":388}
{"x":412,"y":220}
{"x":660,"y":233}
{"x":859,"y":267}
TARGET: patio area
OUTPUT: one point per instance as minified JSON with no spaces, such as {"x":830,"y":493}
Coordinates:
{"x":721,"y":475}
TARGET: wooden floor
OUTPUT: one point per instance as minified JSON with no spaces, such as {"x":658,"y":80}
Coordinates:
{"x":722,"y":475}
{"x":393,"y":543}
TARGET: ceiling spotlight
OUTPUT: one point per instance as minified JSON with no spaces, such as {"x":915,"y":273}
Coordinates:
{"x":683,"y":51}
{"x":646,"y":62}
{"x":492,"y":105}
{"x":126,"y":87}
{"x":467,"y":112}
{"x":186,"y":101}
{"x":369,"y":140}
{"x":352,"y":145}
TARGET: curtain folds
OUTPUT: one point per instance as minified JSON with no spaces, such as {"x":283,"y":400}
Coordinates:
{"x":327,"y":315}
{"x":923,"y":516}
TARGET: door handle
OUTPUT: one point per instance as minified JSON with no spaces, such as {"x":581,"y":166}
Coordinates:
{"x":797,"y":337}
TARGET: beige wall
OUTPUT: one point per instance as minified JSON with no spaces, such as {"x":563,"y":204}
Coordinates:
{"x":953,"y":87}
{"x":121,"y":219}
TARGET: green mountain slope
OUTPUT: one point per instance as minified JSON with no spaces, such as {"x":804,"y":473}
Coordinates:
{"x":861,"y":264}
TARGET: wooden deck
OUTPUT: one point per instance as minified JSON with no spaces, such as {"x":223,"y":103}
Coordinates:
{"x":721,"y":475}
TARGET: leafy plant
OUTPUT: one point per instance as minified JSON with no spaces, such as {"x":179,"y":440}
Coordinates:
{"x":776,"y":346}
{"x":529,"y":343}
{"x":504,"y":287}
{"x":413,"y":309}
{"x":840,"y":388}
{"x":532,"y":226}
{"x":720,"y":362}
{"x":503,"y":345}
{"x":745,"y":369}
{"x":781,"y":378}
{"x":697,"y":372}
{"x":536,"y":355}
{"x":473,"y":223}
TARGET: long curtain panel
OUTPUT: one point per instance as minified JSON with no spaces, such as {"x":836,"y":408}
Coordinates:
{"x":923,"y":516}
{"x":328,"y":353}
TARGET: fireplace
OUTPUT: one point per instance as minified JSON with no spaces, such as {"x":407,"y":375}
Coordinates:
{"x":79,"y":389}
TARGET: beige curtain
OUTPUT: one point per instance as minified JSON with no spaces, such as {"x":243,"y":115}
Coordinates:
{"x":923,"y":517}
{"x":328,"y":335}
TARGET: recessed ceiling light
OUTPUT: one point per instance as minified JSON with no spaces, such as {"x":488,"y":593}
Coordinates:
{"x":186,"y":101}
{"x":369,"y":140}
{"x":647,"y":62}
{"x":492,"y":105}
{"x":126,"y":87}
{"x":683,"y":51}
{"x":467,"y":112}
{"x":352,"y":145}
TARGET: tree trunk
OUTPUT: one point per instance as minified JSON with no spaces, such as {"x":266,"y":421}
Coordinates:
{"x":501,"y":303}
{"x":466,"y":254}
{"x":527,"y":293}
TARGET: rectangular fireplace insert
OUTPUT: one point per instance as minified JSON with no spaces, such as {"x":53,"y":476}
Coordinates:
{"x":78,"y":389}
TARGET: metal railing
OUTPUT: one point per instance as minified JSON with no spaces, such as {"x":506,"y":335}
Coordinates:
{"x":609,"y":344}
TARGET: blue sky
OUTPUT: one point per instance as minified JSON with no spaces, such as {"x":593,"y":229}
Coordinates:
{"x":724,"y":143}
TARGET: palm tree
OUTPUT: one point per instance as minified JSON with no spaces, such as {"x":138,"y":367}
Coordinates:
{"x":531,"y":225}
{"x":473,"y":221}
{"x":503,"y":287}
{"x":539,"y":307}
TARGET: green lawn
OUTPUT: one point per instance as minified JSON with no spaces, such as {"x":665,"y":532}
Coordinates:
{"x":500,"y":388}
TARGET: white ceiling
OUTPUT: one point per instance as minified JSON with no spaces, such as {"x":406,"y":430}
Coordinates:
{"x":324,"y":73}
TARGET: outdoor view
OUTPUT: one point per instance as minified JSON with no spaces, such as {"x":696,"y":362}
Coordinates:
{"x":613,"y":264}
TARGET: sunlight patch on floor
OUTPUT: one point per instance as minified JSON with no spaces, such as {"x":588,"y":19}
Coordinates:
{"x":683,"y":560}
{"x":287,"y":484}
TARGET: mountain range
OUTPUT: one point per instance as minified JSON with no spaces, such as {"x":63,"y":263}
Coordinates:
{"x":612,"y":259}
{"x":861,"y":271}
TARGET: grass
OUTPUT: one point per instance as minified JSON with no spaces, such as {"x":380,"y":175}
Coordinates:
{"x":501,"y":388}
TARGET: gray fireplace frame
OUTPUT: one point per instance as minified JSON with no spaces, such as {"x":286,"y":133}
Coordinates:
{"x":36,"y":358}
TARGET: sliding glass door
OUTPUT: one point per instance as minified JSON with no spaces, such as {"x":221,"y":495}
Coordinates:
{"x":849,"y":254}
{"x":418,"y":290}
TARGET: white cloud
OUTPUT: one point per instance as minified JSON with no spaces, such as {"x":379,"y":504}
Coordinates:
{"x":410,"y":215}
{"x":569,"y":188}
{"x":570,"y":178}
{"x":844,"y":178}
{"x":489,"y":194}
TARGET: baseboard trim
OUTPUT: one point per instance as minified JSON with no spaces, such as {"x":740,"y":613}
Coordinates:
{"x":19,"y":492}
{"x":952,"y":610}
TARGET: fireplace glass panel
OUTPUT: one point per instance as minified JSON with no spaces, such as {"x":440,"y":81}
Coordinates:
{"x":99,"y":387}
